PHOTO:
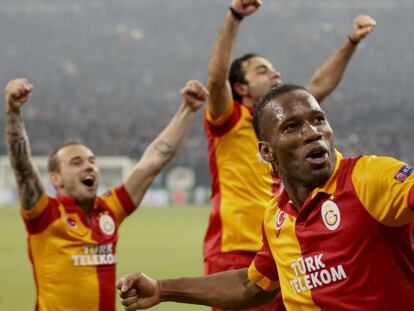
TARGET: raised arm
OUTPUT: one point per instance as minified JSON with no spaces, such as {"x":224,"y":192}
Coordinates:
{"x":221,"y":55}
{"x":27,"y":178}
{"x":163,"y":148}
{"x":229,"y":290}
{"x":327,"y":77}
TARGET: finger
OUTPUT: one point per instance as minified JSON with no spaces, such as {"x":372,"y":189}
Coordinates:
{"x":119,"y":284}
{"x":134,"y":306}
{"x":366,"y":30}
{"x":249,"y":2}
{"x":205,"y":91}
{"x":363,"y":20}
{"x":29,"y":87}
{"x":258,"y":3}
{"x":127,"y":294}
{"x":129,"y":301}
{"x":124,"y":285}
{"x":132,"y":292}
{"x":200,"y":88}
{"x":190,"y":87}
{"x":186,"y":87}
{"x":194,"y":94}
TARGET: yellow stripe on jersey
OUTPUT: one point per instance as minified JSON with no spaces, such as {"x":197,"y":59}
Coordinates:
{"x":286,"y":239}
{"x":384,"y":197}
{"x":222,"y":117}
{"x":261,"y":280}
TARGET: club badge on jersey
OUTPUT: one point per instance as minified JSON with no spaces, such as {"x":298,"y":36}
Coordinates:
{"x":331,"y":215}
{"x":280,"y":219}
{"x":107,"y":224}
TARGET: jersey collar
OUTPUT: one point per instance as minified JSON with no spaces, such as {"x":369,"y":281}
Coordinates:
{"x":70,"y":202}
{"x":329,"y":188}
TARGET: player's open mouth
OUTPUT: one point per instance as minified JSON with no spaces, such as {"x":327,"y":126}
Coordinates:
{"x":276,"y":83}
{"x":88,"y":181}
{"x":317,"y":156}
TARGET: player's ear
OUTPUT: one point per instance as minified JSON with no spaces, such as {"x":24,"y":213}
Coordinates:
{"x":241,"y":89}
{"x":55,"y":179}
{"x":266,"y":151}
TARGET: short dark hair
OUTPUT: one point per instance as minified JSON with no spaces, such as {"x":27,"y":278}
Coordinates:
{"x":237,"y":74}
{"x":53,"y":164}
{"x":272,"y":94}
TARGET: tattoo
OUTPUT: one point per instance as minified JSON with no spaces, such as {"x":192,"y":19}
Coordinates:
{"x":30,"y":192}
{"x":163,"y":149}
{"x":27,"y":177}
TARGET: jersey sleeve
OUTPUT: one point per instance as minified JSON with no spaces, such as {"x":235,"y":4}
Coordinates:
{"x":38,"y":218}
{"x":385,"y":187}
{"x":119,"y":201}
{"x":225,"y":122}
{"x":263,"y":270}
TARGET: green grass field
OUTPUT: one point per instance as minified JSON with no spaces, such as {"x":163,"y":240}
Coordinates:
{"x":162,"y":242}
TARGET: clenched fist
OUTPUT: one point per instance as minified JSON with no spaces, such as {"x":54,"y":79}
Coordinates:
{"x":246,"y":7}
{"x":138,"y":291}
{"x":194,"y":94}
{"x":17,"y":93}
{"x":363,"y":25}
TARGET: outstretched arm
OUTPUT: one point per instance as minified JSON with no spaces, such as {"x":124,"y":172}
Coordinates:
{"x":229,"y":290}
{"x":163,"y":148}
{"x":327,"y":77}
{"x":27,"y":178}
{"x":220,"y":60}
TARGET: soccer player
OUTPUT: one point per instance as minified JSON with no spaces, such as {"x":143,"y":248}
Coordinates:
{"x":72,"y":238}
{"x":241,"y":185}
{"x":338,"y":237}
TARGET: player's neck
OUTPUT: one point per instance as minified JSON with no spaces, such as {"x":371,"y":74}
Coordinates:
{"x":297,"y":193}
{"x":248,"y":102}
{"x":87,"y":206}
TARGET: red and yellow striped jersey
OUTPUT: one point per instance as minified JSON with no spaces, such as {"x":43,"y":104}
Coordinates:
{"x":73,"y":256}
{"x":350,"y":246}
{"x":241,"y":183}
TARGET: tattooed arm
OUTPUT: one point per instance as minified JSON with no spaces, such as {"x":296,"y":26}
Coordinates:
{"x":163,"y":148}
{"x":27,"y":178}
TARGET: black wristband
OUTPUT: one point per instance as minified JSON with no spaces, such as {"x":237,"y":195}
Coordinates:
{"x":236,"y":14}
{"x":354,"y":42}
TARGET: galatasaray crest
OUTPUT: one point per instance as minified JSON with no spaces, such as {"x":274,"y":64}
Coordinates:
{"x":107,"y":224}
{"x":331,"y":216}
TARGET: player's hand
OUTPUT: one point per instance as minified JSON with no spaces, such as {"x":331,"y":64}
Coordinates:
{"x":138,"y":291}
{"x":194,"y":94}
{"x":246,"y":7}
{"x":17,"y":93}
{"x":363,"y":25}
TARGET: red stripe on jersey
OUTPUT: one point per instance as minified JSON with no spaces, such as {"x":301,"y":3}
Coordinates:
{"x":227,"y":125}
{"x":41,"y":222}
{"x":97,"y":233}
{"x":125,"y":199}
{"x":106,"y":273}
{"x":263,"y":258}
{"x":106,"y":278}
{"x":411,"y":199}
{"x":212,"y":239}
